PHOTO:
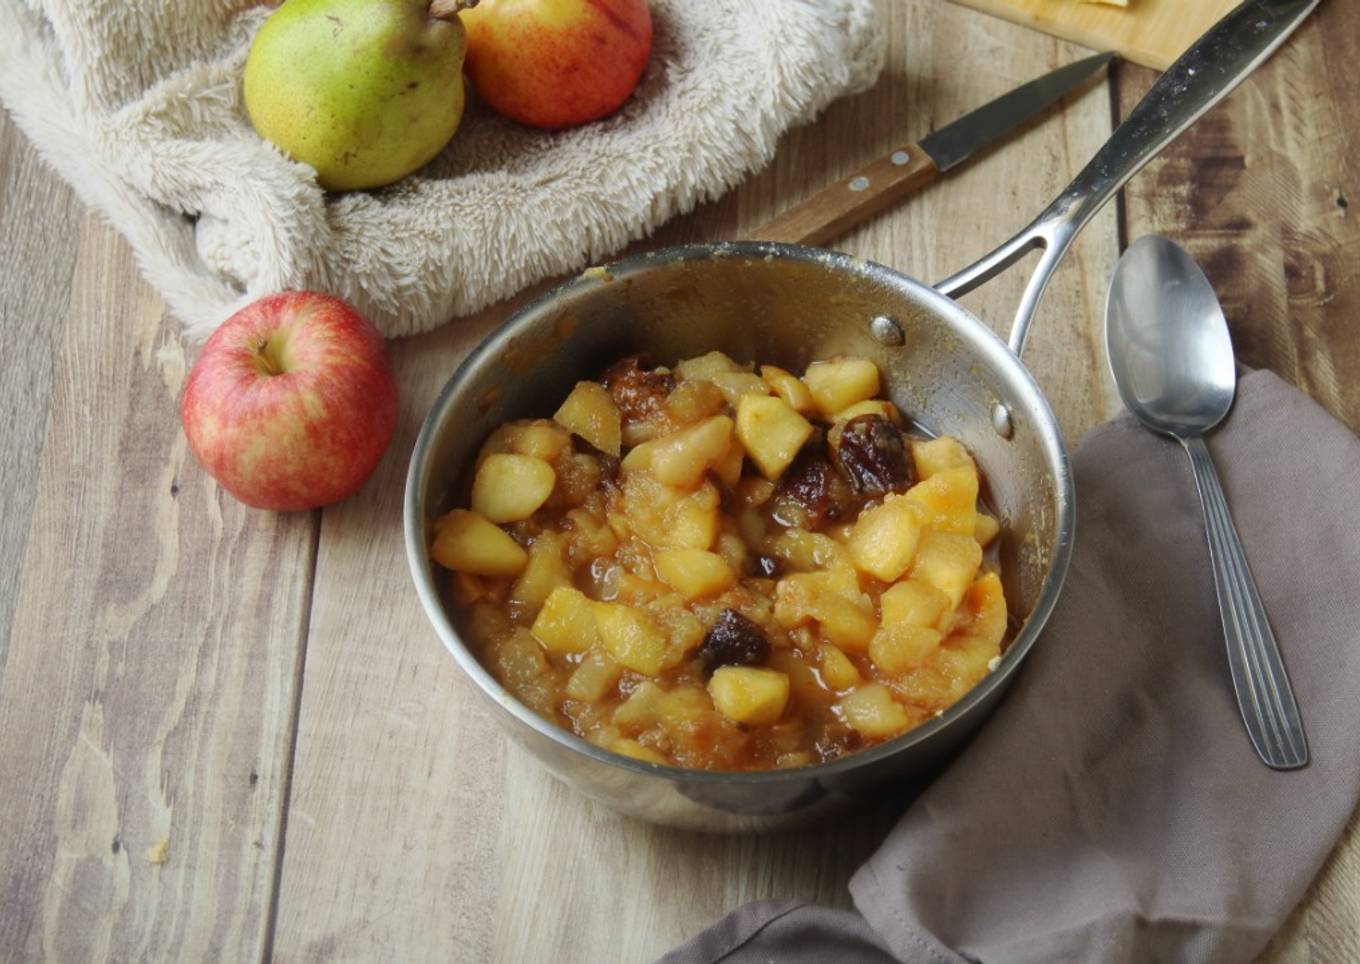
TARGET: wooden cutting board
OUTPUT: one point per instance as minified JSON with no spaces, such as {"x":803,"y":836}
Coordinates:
{"x":1148,"y":32}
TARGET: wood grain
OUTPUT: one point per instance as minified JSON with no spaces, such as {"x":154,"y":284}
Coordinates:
{"x":40,"y":216}
{"x":156,"y":636}
{"x":415,"y":831}
{"x":1148,"y":32}
{"x":1261,"y":192}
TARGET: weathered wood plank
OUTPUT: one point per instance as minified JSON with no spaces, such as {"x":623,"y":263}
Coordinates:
{"x":39,"y":215}
{"x":415,"y":832}
{"x":149,"y":693}
{"x":1263,"y":193}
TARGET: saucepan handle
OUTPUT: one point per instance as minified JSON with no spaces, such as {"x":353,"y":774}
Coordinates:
{"x":1213,"y":65}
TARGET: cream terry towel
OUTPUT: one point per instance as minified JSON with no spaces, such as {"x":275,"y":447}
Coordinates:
{"x":137,"y":103}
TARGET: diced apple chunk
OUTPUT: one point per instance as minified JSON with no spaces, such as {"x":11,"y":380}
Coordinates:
{"x":985,"y":529}
{"x":691,"y":402}
{"x":668,"y":518}
{"x":467,"y":542}
{"x":837,"y":669}
{"x":838,"y":383}
{"x":948,"y":562}
{"x":590,"y":412}
{"x":546,"y":572}
{"x":913,"y":602}
{"x":841,"y":613}
{"x":872,"y":712}
{"x":681,"y":458}
{"x":566,"y":623}
{"x":771,"y":432}
{"x":631,"y":637}
{"x":597,"y":674}
{"x":728,"y":468}
{"x":935,"y":455}
{"x":750,"y":695}
{"x":509,"y":487}
{"x":872,"y":406}
{"x":883,"y":542}
{"x":899,"y":647}
{"x":706,"y":366}
{"x":634,"y":749}
{"x":789,"y":387}
{"x":694,"y":573}
{"x":948,"y":499}
{"x":642,"y":709}
{"x":985,"y":602}
{"x":737,"y":385}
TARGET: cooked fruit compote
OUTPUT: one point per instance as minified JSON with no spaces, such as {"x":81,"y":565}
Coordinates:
{"x":724,"y":569}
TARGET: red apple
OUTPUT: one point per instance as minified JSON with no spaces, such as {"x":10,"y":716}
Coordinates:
{"x":292,"y":402}
{"x":557,"y":63}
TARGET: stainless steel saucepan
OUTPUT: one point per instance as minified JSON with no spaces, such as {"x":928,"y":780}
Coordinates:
{"x":789,"y":305}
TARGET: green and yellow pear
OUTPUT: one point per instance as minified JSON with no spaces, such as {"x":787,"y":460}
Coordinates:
{"x":365,"y":91}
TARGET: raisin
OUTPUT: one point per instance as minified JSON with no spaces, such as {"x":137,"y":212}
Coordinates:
{"x":638,"y":390}
{"x":871,"y":455}
{"x":734,"y":640}
{"x":811,"y":493}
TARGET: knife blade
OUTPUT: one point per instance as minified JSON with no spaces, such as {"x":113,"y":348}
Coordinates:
{"x":882,"y":183}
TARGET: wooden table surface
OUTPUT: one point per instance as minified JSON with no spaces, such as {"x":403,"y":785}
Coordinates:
{"x":263,"y":692}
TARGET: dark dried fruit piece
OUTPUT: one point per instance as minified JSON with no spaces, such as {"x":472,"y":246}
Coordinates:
{"x":766,"y":567}
{"x":734,"y":640}
{"x":870,"y":453}
{"x":639,"y":391}
{"x":811,"y":493}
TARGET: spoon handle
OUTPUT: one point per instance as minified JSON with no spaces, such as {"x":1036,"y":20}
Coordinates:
{"x":1258,"y":675}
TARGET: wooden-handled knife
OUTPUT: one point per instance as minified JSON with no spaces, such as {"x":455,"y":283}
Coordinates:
{"x":853,"y":200}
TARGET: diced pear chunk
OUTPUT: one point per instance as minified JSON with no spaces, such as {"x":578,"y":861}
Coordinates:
{"x":749,"y":694}
{"x":899,"y":647}
{"x":771,"y":432}
{"x":872,"y":711}
{"x":935,"y":455}
{"x":789,"y":387}
{"x":566,"y":623}
{"x":948,"y":499}
{"x":636,"y":750}
{"x":467,"y":542}
{"x":872,"y":406}
{"x":590,"y":412}
{"x":831,"y":600}
{"x":668,"y":518}
{"x":883,"y":542}
{"x":632,"y":637}
{"x":595,"y":677}
{"x":681,"y":458}
{"x":694,"y":573}
{"x":642,"y":709}
{"x":706,"y":366}
{"x":985,"y":529}
{"x":546,"y":572}
{"x":837,"y":669}
{"x":985,"y":602}
{"x":736,"y":385}
{"x":838,"y":383}
{"x":948,"y":562}
{"x":728,"y":468}
{"x":510,"y":487}
{"x":913,"y":602}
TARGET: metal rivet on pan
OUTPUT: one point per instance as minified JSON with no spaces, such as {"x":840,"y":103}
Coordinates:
{"x":886,"y":331}
{"x":860,"y":183}
{"x":900,"y":157}
{"x":1001,"y":420}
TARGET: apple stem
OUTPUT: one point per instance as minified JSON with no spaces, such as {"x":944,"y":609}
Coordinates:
{"x":448,"y":9}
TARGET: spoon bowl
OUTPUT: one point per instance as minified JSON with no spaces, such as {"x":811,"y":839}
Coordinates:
{"x":1167,"y":340}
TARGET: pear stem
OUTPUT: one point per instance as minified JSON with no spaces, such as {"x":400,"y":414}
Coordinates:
{"x":448,"y":9}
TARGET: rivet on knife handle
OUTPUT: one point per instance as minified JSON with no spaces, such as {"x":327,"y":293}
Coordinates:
{"x":849,"y":202}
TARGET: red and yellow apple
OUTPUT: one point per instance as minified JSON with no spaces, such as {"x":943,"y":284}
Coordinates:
{"x":557,"y":63}
{"x":292,"y":402}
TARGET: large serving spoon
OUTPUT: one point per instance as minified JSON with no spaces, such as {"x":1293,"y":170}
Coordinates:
{"x":1173,"y":361}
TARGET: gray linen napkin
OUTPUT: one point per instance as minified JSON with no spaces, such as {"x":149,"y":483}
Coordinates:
{"x":1113,"y":809}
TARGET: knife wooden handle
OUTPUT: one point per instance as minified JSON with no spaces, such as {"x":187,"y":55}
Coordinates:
{"x":853,"y":200}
